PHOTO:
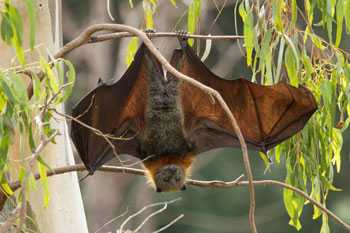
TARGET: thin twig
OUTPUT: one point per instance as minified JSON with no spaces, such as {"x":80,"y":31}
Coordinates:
{"x":143,"y":209}
{"x":106,"y":137}
{"x":165,"y":206}
{"x":112,"y":220}
{"x":117,"y":35}
{"x":169,"y":224}
{"x":198,"y":183}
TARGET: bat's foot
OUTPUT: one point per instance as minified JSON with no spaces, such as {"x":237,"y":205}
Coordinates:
{"x":149,"y":32}
{"x":182,"y":36}
{"x":100,"y":82}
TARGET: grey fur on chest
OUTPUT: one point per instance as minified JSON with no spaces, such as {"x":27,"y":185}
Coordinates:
{"x":164,"y":132}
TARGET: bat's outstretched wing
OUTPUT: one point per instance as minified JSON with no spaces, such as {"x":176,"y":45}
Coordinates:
{"x":266,"y":115}
{"x":116,"y":110}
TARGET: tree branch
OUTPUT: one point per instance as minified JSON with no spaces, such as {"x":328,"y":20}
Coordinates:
{"x":84,"y":38}
{"x":198,"y":183}
{"x":111,"y":36}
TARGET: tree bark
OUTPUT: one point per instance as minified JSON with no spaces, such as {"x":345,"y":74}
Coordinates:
{"x":65,"y":212}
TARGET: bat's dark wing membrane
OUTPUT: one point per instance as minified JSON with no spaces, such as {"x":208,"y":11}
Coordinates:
{"x":266,"y":115}
{"x":116,"y":110}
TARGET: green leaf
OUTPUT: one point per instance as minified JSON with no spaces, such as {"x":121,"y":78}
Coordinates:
{"x":173,"y":2}
{"x":17,"y":24}
{"x":316,"y":194}
{"x":19,"y":88}
{"x":327,"y":92}
{"x":3,"y":103}
{"x":31,"y":140}
{"x":31,"y":10}
{"x":294,"y":13}
{"x":325,"y":226}
{"x":277,"y":11}
{"x":346,"y":9}
{"x":71,"y":76}
{"x":296,"y":177}
{"x":309,"y":11}
{"x":194,"y":10}
{"x":52,"y":80}
{"x":5,"y":86}
{"x":6,"y":187}
{"x":148,"y":10}
{"x":44,"y":180}
{"x":336,"y":144}
{"x":279,"y":59}
{"x":131,"y":4}
{"x":248,"y":31}
{"x":12,"y":30}
{"x":265,"y":55}
{"x":132,"y":48}
{"x":265,"y":158}
{"x":292,"y":208}
{"x":21,"y":174}
{"x":278,"y":151}
{"x":31,"y":183}
{"x":6,"y":29}
{"x":340,"y":17}
{"x":291,"y":63}
{"x":17,"y":27}
{"x":37,"y":92}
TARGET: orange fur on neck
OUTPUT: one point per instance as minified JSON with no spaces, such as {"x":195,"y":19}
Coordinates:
{"x":183,"y":161}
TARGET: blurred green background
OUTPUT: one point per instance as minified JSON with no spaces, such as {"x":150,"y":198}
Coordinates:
{"x":205,"y":210}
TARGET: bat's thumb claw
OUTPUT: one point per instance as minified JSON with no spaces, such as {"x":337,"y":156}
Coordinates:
{"x":212,"y":99}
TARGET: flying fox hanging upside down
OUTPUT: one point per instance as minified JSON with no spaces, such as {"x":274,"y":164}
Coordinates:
{"x":167,"y":122}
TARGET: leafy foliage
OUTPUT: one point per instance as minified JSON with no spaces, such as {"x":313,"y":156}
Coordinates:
{"x":275,"y":38}
{"x":24,"y":117}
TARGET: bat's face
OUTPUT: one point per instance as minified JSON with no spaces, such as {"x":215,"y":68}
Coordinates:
{"x":168,"y":173}
{"x":169,"y":178}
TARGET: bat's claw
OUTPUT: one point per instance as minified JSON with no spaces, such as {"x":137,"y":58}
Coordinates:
{"x":149,"y":32}
{"x":100,"y":81}
{"x":182,"y":36}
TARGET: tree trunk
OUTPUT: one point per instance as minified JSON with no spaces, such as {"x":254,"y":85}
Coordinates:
{"x":65,"y":212}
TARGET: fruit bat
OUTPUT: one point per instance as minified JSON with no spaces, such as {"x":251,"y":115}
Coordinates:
{"x":167,"y":122}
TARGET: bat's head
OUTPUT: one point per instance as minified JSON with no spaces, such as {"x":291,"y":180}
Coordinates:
{"x":168,"y":173}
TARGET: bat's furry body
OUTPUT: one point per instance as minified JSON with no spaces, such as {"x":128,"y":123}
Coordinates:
{"x":163,"y":139}
{"x":164,"y":132}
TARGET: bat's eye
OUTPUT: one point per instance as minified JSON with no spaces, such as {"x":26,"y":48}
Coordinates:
{"x":183,"y":188}
{"x":190,"y":145}
{"x":158,"y":190}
